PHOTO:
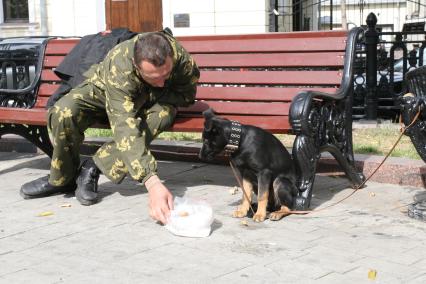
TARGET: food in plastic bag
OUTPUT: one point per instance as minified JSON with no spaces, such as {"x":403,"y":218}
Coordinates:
{"x":190,"y":218}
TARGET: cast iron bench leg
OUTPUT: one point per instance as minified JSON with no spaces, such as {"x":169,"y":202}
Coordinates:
{"x":321,"y":126}
{"x":38,"y":135}
{"x":417,"y":132}
{"x":305,"y":156}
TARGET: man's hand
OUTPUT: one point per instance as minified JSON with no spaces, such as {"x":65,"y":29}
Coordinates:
{"x":160,"y":199}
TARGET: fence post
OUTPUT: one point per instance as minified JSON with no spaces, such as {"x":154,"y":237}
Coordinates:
{"x":273,"y":16}
{"x":371,"y":41}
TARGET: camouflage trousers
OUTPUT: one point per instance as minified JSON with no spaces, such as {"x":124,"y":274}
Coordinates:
{"x":78,"y":110}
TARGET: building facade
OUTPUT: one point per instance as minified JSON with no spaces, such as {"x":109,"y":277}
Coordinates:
{"x":198,"y":17}
{"x":51,"y":17}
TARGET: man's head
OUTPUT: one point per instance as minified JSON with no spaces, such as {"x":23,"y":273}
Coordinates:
{"x":153,"y":58}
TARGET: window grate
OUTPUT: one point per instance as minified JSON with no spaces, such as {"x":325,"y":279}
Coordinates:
{"x":15,"y":11}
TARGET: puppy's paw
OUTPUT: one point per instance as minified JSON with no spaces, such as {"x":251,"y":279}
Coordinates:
{"x":239,"y":213}
{"x":258,"y":217}
{"x":278,"y":215}
{"x":275,"y":216}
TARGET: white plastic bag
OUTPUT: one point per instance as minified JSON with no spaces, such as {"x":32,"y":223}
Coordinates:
{"x":190,"y":218}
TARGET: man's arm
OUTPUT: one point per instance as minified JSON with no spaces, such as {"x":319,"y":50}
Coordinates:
{"x":160,"y":199}
{"x":124,"y":100}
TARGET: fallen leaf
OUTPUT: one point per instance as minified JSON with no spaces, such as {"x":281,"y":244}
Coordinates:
{"x":244,"y":223}
{"x":372,"y":194}
{"x":66,"y":205}
{"x":183,"y":213}
{"x":46,"y":213}
{"x":372,"y":274}
{"x":233,"y":190}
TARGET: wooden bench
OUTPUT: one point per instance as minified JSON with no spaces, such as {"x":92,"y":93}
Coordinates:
{"x":297,"y":83}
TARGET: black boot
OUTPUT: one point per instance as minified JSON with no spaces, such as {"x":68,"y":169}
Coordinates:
{"x":41,"y":188}
{"x":87,"y":183}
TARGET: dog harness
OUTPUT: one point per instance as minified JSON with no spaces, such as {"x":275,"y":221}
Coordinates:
{"x":234,"y":138}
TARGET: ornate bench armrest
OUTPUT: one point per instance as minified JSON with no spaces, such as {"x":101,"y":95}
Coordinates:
{"x":323,"y":122}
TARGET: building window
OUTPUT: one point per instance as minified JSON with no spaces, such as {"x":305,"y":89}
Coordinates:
{"x":15,"y":11}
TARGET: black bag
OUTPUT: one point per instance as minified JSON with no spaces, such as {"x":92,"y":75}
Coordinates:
{"x":90,"y":50}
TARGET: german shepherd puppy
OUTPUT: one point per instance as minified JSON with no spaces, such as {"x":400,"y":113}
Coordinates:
{"x":263,"y":164}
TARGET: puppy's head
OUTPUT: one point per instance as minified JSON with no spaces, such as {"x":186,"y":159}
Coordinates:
{"x":214,"y":138}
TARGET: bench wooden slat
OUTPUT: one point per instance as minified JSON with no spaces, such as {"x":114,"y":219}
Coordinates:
{"x":41,"y":102}
{"x":49,"y":75}
{"x":326,"y":59}
{"x":275,"y":124}
{"x":46,"y":89}
{"x":60,"y":46}
{"x":51,"y":61}
{"x":37,"y":116}
{"x":224,"y":93}
{"x":252,"y":108}
{"x":233,"y":45}
{"x":254,"y":77}
{"x":306,"y":77}
{"x":34,"y":116}
{"x":252,"y":93}
{"x":275,"y":35}
{"x":248,"y":60}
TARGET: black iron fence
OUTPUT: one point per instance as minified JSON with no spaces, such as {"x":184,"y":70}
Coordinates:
{"x":381,"y":67}
{"x":312,"y":15}
{"x":394,"y":43}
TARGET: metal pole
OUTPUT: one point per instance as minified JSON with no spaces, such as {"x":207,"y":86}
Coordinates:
{"x":276,"y":16}
{"x":371,"y":41}
{"x":331,"y":15}
{"x":43,"y":18}
{"x":301,"y":16}
{"x":343,"y":13}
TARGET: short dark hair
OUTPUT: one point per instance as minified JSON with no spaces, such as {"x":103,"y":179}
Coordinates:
{"x":154,"y":48}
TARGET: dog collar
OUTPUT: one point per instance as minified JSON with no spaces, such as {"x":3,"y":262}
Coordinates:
{"x":234,"y":138}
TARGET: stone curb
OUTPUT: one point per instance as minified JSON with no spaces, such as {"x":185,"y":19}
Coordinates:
{"x":401,"y":171}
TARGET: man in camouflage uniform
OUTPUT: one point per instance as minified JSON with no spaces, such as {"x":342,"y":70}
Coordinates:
{"x":137,"y":88}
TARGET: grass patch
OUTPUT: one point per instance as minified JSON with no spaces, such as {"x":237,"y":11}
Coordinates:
{"x":379,"y":141}
{"x":184,"y":136}
{"x":96,"y":132}
{"x":366,"y":150}
{"x":370,"y":141}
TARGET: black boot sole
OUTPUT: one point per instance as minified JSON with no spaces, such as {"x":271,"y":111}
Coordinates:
{"x":27,"y":196}
{"x":83,"y":201}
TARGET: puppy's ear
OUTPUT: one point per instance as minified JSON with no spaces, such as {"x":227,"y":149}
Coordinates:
{"x":212,"y":124}
{"x":208,"y":114}
{"x":208,"y":124}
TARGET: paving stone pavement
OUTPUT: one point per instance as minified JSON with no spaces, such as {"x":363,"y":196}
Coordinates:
{"x":115,"y":241}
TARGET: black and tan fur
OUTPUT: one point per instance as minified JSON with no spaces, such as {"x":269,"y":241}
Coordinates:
{"x":263,"y":164}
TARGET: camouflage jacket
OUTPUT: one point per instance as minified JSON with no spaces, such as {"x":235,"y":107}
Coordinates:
{"x":126,"y":97}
